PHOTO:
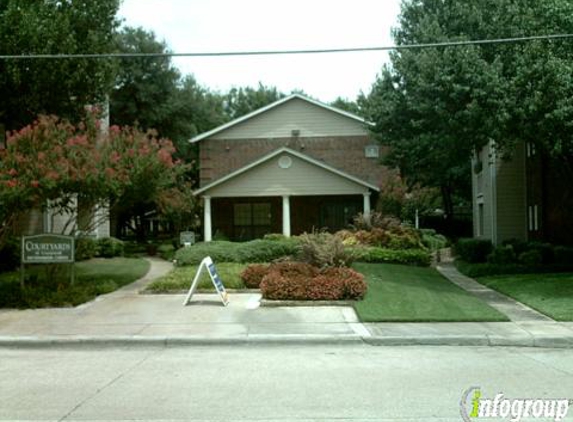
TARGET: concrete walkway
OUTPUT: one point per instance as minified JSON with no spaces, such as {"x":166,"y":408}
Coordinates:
{"x":515,"y":311}
{"x":126,"y":317}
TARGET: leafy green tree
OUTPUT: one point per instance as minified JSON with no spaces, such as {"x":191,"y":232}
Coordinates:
{"x":347,"y":105}
{"x":29,"y":87}
{"x":241,"y":101}
{"x":144,"y":86}
{"x":434,"y":107}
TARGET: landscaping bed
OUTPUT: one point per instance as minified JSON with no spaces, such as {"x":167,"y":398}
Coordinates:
{"x":93,"y":278}
{"x":415,"y":294}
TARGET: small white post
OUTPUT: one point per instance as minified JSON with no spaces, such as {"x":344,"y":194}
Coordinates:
{"x":366,"y":211}
{"x":286,"y":215}
{"x":417,"y":220}
{"x":207,"y":228}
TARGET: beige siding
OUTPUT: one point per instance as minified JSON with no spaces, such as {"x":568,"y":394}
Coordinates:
{"x":483,"y":195}
{"x":296,"y":114}
{"x":510,"y":191}
{"x":302,"y":178}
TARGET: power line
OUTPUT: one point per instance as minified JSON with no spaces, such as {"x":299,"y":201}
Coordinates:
{"x":287,"y":52}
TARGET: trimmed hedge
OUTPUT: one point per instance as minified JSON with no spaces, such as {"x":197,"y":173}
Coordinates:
{"x":253,"y":275}
{"x":110,"y":247}
{"x":222,"y":251}
{"x":166,"y":251}
{"x":489,"y":269}
{"x":473,"y":250}
{"x":300,"y":281}
{"x":86,"y":248}
{"x":419,"y":257}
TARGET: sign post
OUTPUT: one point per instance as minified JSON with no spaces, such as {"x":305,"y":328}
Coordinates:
{"x":47,"y":249}
{"x":186,"y":238}
{"x":207,"y":263}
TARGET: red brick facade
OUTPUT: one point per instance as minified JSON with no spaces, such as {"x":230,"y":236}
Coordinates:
{"x":219,"y":157}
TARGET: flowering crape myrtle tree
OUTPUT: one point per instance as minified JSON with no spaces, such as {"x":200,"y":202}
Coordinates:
{"x":56,"y":166}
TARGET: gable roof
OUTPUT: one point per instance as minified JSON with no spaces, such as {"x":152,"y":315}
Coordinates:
{"x":272,"y":106}
{"x":279,"y":151}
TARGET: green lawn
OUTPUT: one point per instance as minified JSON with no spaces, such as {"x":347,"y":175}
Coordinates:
{"x":551,"y":294}
{"x":417,"y":294}
{"x":46,"y":289}
{"x":181,"y":277}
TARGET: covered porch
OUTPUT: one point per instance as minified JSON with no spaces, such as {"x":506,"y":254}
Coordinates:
{"x":285,"y":192}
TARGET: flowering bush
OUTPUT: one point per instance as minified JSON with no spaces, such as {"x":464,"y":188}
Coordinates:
{"x":78,"y":167}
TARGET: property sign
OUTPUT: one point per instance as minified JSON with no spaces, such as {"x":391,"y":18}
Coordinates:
{"x":47,"y":249}
{"x":186,"y":238}
{"x":207,"y":264}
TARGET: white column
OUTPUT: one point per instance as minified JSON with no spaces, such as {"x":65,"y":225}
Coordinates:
{"x":208,"y":236}
{"x":286,"y":215}
{"x":366,"y":211}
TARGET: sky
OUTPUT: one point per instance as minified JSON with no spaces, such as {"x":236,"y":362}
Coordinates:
{"x":246,"y":25}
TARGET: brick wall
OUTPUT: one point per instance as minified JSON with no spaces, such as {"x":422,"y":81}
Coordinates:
{"x":219,"y":157}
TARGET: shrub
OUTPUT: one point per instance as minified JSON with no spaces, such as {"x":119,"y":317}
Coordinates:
{"x":324,"y":287}
{"x":531,"y":258}
{"x":275,"y":236}
{"x":354,"y":286}
{"x":10,"y":255}
{"x":253,"y":275}
{"x":110,"y":247}
{"x":473,"y":250}
{"x":502,"y":255}
{"x":324,"y":250}
{"x":86,"y":248}
{"x":261,"y":250}
{"x":375,"y":220}
{"x":432,"y":240}
{"x":299,"y":281}
{"x":222,"y":251}
{"x":563,"y":255}
{"x":546,"y":251}
{"x":166,"y":251}
{"x":278,"y":287}
{"x":519,"y":246}
{"x":419,"y":257}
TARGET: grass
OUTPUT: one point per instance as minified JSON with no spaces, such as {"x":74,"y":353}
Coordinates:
{"x":49,"y":286}
{"x":550,"y":294}
{"x":180,"y":278}
{"x":398,"y":293}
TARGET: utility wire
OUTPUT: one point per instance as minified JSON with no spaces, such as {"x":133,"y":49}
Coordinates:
{"x":287,"y":52}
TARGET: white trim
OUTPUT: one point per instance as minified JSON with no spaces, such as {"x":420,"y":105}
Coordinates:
{"x":207,"y":226}
{"x":271,"y":106}
{"x":274,"y":154}
{"x":286,"y":216}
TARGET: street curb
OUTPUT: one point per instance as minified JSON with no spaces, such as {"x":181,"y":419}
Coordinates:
{"x":161,"y":341}
{"x":32,"y":342}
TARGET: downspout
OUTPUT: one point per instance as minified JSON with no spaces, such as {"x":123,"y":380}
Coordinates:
{"x":493,"y":193}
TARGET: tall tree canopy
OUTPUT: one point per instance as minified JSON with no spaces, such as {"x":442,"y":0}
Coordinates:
{"x":144,"y":86}
{"x":435,"y":106}
{"x":241,"y":101}
{"x":49,"y":86}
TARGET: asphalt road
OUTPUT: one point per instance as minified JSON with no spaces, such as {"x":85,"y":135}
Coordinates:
{"x":266,"y":383}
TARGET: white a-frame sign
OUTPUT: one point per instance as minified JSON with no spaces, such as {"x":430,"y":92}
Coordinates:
{"x":208,"y":264}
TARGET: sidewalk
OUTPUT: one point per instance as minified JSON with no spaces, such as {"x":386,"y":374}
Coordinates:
{"x":126,"y":317}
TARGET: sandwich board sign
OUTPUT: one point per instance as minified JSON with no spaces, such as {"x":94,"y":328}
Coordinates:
{"x":207,"y":264}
